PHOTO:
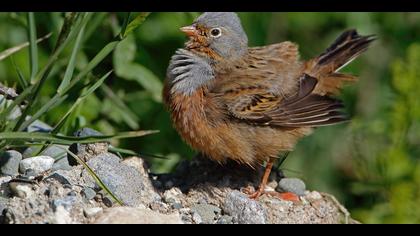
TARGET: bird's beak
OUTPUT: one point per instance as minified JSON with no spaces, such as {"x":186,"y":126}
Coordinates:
{"x":190,"y":30}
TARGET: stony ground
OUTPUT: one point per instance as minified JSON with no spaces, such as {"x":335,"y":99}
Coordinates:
{"x":43,"y":189}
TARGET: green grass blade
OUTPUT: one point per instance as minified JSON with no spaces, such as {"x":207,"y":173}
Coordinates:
{"x":33,"y":48}
{"x":69,"y":21}
{"x":97,"y":19}
{"x":8,"y":52}
{"x":124,"y":25}
{"x":129,"y":117}
{"x":140,"y":18}
{"x":72,"y":62}
{"x":45,"y":108}
{"x":43,"y":74}
{"x":22,"y":81}
{"x":68,"y":140}
{"x":84,"y":95}
{"x":95,"y":177}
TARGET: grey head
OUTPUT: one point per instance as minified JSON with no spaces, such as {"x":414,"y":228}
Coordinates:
{"x":225,"y":33}
{"x":191,"y":68}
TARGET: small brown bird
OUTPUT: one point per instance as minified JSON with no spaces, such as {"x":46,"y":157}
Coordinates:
{"x":230,"y":101}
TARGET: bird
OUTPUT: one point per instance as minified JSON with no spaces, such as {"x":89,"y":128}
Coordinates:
{"x":230,"y":101}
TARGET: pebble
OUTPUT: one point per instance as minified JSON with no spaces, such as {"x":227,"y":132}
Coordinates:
{"x":91,"y":212}
{"x":292,"y":185}
{"x":61,"y":164}
{"x":177,"y":206}
{"x":3,"y":202}
{"x":86,"y":151}
{"x":38,"y":126}
{"x":66,"y":202}
{"x":172,"y":196}
{"x":54,"y":151}
{"x":122,"y":180}
{"x":62,"y":179}
{"x":225,"y":219}
{"x":206,"y":212}
{"x":61,"y":216}
{"x":107,"y":201}
{"x":9,"y":163}
{"x":244,"y":210}
{"x":21,"y":190}
{"x":197,"y":218}
{"x":88,"y":193}
{"x":131,"y":215}
{"x":5,"y":179}
{"x":314,"y":195}
{"x":38,"y":164}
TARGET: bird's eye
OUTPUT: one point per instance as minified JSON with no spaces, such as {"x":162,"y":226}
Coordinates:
{"x":216,"y":32}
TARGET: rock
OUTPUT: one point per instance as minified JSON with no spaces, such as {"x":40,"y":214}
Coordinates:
{"x":87,"y":151}
{"x":244,"y":210}
{"x":123,"y":180}
{"x":292,"y":185}
{"x":128,"y":215}
{"x":225,"y":219}
{"x":5,"y":179}
{"x":60,"y":178}
{"x":87,"y":132}
{"x":314,"y":195}
{"x":88,"y":193}
{"x":206,"y":212}
{"x":55,"y":151}
{"x":197,"y":218}
{"x":3,"y":202}
{"x":38,"y":164}
{"x":176,"y":206}
{"x":108,"y":202}
{"x":61,"y":164}
{"x":21,"y":190}
{"x":91,"y":212}
{"x":172,"y":196}
{"x":9,"y":162}
{"x":308,"y":211}
{"x":66,"y":202}
{"x":38,"y":126}
{"x":61,"y":216}
{"x":4,"y":186}
{"x":71,"y":177}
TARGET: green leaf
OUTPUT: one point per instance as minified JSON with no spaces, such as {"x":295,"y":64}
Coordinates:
{"x":33,"y":51}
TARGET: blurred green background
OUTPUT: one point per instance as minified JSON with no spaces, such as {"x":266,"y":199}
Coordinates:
{"x":371,"y":164}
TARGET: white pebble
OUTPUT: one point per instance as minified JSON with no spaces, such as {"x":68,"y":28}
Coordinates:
{"x":37,"y":164}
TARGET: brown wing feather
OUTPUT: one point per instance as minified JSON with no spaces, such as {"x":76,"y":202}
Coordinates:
{"x":302,"y":110}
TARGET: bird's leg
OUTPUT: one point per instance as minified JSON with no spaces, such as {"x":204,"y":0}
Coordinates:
{"x":261,"y":188}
